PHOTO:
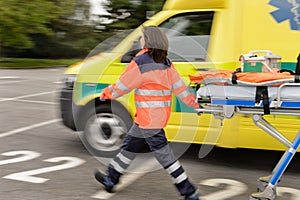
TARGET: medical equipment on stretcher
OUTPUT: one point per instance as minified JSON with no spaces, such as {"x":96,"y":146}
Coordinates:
{"x":260,"y":61}
{"x":226,"y":93}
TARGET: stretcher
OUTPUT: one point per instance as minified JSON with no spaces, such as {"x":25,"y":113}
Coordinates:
{"x":226,"y":93}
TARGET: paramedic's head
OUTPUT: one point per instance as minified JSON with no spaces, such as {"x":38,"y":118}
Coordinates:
{"x":154,"y":39}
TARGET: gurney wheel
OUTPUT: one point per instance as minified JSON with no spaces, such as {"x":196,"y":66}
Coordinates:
{"x":268,"y":194}
{"x":261,"y":185}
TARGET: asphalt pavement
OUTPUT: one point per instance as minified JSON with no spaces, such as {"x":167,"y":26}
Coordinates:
{"x":42,"y":159}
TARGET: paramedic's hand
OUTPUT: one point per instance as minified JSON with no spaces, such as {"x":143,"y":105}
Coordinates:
{"x":102,"y":97}
{"x":196,"y":105}
{"x":193,"y":102}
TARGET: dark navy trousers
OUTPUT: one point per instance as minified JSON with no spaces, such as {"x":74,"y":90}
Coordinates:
{"x":137,"y":141}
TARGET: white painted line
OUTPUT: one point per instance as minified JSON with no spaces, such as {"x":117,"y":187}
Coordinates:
{"x":21,"y":156}
{"x":128,"y":179}
{"x":231,"y":189}
{"x":26,"y":128}
{"x":53,"y":69}
{"x":39,"y":102}
{"x":26,"y":96}
{"x":34,"y":95}
{"x":9,"y":82}
{"x":9,"y":77}
{"x":29,"y":176}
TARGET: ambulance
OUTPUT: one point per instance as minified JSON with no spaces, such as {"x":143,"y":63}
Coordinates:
{"x":203,"y":34}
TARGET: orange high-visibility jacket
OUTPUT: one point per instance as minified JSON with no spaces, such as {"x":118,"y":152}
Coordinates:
{"x":153,"y":84}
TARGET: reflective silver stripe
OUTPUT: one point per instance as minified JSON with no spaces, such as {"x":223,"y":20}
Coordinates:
{"x":152,"y":104}
{"x":117,"y":167}
{"x":110,"y":88}
{"x":173,"y":167}
{"x":180,"y":178}
{"x":121,"y":86}
{"x":114,"y":93}
{"x":123,"y":159}
{"x":178,"y":84}
{"x":153,"y":92}
{"x":183,"y":94}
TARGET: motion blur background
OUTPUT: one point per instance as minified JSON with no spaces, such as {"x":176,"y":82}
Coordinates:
{"x":58,"y":29}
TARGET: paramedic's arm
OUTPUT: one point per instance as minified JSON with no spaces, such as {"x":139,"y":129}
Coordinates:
{"x":182,"y":91}
{"x":128,"y":81}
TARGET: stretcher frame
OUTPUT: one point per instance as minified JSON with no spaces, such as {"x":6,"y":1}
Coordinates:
{"x":227,"y":108}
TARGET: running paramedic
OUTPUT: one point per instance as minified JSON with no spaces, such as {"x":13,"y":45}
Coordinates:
{"x":153,"y":78}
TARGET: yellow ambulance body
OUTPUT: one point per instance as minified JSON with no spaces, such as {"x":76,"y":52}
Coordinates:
{"x":203,"y":35}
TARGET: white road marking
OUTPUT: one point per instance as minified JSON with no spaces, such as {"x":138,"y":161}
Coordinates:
{"x":128,"y":179}
{"x":39,"y":102}
{"x":28,"y":176}
{"x":24,"y":156}
{"x":232,"y":188}
{"x":9,"y":82}
{"x":26,"y":96}
{"x":9,"y":77}
{"x":294,"y":193}
{"x":54,"y":69}
{"x":26,"y":128}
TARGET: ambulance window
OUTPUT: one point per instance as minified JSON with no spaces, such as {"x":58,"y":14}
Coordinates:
{"x":188,"y":36}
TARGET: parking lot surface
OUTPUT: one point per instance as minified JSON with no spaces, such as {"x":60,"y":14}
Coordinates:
{"x":42,"y":159}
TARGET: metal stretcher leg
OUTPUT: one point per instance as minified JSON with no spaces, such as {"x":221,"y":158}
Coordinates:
{"x":269,"y":193}
{"x":267,"y":127}
{"x":263,"y":181}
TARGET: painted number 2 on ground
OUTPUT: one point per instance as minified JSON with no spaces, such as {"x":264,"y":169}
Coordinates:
{"x":30,"y":175}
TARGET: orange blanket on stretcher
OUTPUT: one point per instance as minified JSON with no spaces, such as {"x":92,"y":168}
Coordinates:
{"x":251,"y":77}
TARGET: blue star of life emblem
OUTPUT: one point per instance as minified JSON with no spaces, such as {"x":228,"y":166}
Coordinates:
{"x":287,"y":10}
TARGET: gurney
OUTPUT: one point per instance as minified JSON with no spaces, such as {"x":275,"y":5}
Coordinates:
{"x":226,"y":93}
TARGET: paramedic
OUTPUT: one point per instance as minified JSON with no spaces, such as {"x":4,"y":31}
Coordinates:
{"x":153,"y":78}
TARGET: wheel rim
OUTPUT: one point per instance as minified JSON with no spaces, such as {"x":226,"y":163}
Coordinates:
{"x":105,"y":132}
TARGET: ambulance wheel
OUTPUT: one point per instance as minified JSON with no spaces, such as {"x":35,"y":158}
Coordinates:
{"x":105,"y":129}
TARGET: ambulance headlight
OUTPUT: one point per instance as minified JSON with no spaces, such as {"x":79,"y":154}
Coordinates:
{"x":69,"y":81}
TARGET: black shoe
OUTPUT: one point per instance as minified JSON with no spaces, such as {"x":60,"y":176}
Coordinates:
{"x":104,"y":180}
{"x":194,"y":196}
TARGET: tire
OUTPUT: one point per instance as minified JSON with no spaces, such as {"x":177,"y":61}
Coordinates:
{"x":105,"y":129}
